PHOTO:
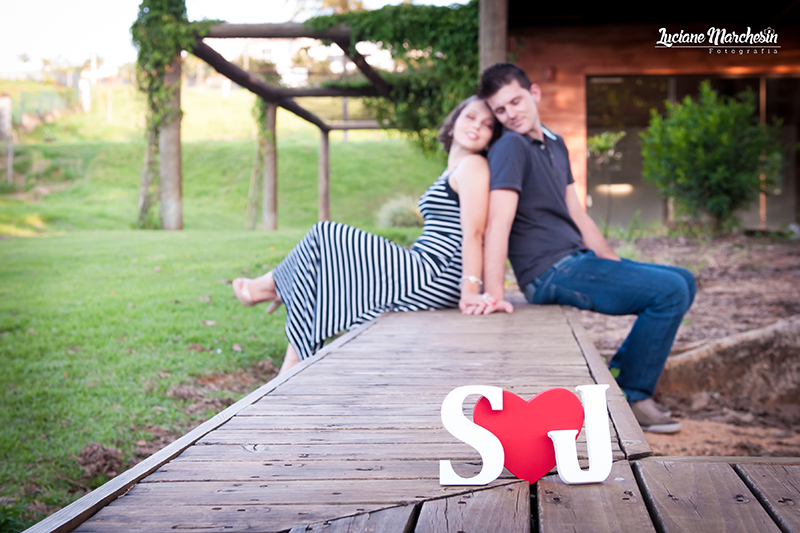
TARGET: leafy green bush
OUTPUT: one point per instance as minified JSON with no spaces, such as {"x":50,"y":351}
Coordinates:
{"x":400,"y":212}
{"x":437,"y":50}
{"x":709,"y":155}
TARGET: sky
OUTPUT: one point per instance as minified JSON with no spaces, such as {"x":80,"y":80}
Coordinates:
{"x":71,"y":30}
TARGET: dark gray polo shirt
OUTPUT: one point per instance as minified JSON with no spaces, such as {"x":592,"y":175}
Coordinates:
{"x":542,"y":232}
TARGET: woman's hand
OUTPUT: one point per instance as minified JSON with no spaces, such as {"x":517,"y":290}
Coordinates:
{"x":482,"y":304}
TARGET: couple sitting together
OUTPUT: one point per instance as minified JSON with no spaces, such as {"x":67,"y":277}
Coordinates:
{"x":506,"y":192}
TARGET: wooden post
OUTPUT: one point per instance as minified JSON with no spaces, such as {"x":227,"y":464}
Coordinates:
{"x":169,"y":148}
{"x":270,"y":189}
{"x":324,"y":177}
{"x":762,"y":197}
{"x":493,"y":32}
{"x":5,"y":133}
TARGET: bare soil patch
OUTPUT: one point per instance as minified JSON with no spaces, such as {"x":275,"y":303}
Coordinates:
{"x":207,"y":394}
{"x":744,"y":283}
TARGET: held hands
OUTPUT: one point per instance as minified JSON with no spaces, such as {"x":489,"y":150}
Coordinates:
{"x":482,"y":304}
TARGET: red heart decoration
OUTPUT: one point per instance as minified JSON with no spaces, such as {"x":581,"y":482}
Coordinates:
{"x":522,"y":428}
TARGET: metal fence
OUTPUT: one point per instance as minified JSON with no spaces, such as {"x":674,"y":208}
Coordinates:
{"x":39,"y":103}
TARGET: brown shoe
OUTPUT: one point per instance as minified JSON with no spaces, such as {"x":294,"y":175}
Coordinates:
{"x":652,"y":419}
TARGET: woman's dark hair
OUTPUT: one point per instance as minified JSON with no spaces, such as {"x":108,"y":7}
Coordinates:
{"x":446,"y":131}
{"x":498,"y":76}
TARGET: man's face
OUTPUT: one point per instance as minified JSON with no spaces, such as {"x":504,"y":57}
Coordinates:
{"x":516,"y":108}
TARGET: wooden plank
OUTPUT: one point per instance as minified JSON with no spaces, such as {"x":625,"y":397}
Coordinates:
{"x":362,"y":491}
{"x":700,"y":497}
{"x":77,"y":512}
{"x":394,"y":519}
{"x":356,"y":125}
{"x":726,"y":459}
{"x":323,"y":452}
{"x":615,"y":506}
{"x":505,"y":509}
{"x":302,"y":92}
{"x":216,"y":518}
{"x":252,"y":83}
{"x":288,"y":30}
{"x":631,"y":436}
{"x":335,"y":436}
{"x":777,"y":487}
{"x":331,"y":470}
{"x":349,"y":48}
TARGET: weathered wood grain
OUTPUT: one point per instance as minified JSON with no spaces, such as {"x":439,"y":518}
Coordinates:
{"x":333,"y":469}
{"x":614,"y":506}
{"x":777,"y":487}
{"x":632,"y":439}
{"x":392,"y":520}
{"x":357,"y":429}
{"x":283,"y":492}
{"x":216,"y":518}
{"x":704,"y":497}
{"x":324,"y":452}
{"x":505,"y":509}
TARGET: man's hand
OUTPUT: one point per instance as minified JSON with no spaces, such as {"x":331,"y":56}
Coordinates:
{"x":592,"y":236}
{"x":482,"y":304}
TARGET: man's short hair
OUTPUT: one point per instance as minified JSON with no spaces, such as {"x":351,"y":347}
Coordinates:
{"x":498,"y":76}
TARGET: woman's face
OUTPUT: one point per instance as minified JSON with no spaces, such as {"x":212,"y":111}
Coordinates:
{"x":474,"y":127}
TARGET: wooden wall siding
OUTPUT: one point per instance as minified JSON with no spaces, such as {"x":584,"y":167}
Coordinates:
{"x":359,"y":430}
{"x":570,"y":53}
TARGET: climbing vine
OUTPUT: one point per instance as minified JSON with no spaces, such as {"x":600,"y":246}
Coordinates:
{"x":437,"y":48}
{"x":161,"y":31}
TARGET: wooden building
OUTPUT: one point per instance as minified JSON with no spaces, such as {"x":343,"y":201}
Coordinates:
{"x":601,"y":68}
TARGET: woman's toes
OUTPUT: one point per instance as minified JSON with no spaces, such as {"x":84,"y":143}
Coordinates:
{"x":242,"y":291}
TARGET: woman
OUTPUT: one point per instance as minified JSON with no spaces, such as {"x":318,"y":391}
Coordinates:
{"x":338,"y":277}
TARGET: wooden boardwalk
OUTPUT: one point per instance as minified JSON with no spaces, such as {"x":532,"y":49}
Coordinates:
{"x":350,"y":440}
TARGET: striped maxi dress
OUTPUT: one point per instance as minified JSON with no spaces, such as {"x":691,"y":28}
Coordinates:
{"x":339,"y":277}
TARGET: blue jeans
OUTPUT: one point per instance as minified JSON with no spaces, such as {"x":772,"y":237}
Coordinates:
{"x":659,"y":294}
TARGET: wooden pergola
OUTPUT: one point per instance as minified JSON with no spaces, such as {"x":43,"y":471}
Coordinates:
{"x":170,"y":139}
{"x":492,"y":42}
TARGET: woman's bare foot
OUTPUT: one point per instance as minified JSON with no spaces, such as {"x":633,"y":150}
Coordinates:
{"x":241,"y":289}
{"x":289,"y":360}
{"x":254,"y":291}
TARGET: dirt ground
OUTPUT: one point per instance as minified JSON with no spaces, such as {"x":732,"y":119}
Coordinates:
{"x":744,"y":283}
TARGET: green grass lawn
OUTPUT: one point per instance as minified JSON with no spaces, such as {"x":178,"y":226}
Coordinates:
{"x":94,"y":330}
{"x":96,"y":319}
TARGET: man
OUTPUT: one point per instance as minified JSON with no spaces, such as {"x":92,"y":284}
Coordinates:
{"x":559,"y":255}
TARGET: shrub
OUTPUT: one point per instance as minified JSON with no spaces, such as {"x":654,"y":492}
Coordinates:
{"x":400,"y":212}
{"x":709,"y":154}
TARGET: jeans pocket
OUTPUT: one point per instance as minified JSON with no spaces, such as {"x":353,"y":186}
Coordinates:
{"x":564,"y":296}
{"x":553,"y":294}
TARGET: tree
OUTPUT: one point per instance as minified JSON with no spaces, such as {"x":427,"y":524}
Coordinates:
{"x":437,"y":50}
{"x":712,"y":155}
{"x":161,"y":31}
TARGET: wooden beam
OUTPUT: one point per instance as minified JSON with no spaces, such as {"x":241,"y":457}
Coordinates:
{"x":380,"y":84}
{"x":252,"y":84}
{"x":493,"y":32}
{"x":270,"y":188}
{"x":355,"y":125}
{"x":169,"y":149}
{"x":324,"y":177}
{"x":328,"y":91}
{"x":288,"y":30}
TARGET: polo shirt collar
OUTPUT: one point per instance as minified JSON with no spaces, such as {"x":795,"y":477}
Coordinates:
{"x":546,"y":132}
